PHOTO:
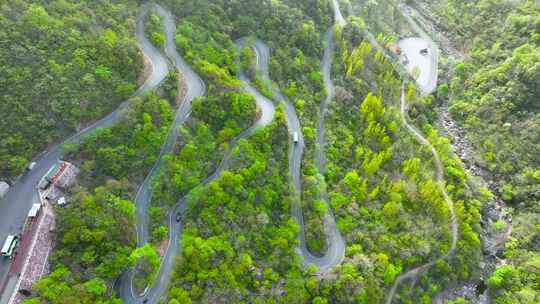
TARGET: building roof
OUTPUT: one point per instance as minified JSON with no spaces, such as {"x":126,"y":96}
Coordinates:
{"x":55,"y":172}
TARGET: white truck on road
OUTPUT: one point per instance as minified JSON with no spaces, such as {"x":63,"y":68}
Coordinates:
{"x":295,"y":137}
{"x":31,"y":166}
{"x":4,"y":187}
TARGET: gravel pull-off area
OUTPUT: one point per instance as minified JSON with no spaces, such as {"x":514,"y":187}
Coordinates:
{"x":423,"y":67}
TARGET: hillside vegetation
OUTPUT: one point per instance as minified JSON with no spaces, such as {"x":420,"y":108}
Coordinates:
{"x":95,"y":233}
{"x":494,"y":96}
{"x":62,"y":65}
{"x":399,"y":194}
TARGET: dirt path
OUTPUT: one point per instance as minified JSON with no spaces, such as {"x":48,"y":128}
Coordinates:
{"x":415,"y":272}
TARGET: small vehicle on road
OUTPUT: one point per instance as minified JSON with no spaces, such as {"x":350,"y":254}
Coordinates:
{"x":295,"y":137}
{"x":178,"y":217}
{"x":31,"y":166}
{"x":424,"y":52}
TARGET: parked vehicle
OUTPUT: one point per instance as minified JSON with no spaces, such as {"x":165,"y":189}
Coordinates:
{"x":295,"y":137}
{"x":10,"y":245}
{"x":44,"y":184}
{"x":4,"y":188}
{"x":31,"y":166}
{"x":34,"y":211}
{"x":404,"y":59}
{"x":424,"y":52}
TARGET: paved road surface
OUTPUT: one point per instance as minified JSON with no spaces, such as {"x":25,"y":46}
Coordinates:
{"x":338,"y":17}
{"x":196,"y":87}
{"x":15,"y":205}
{"x":336,"y":245}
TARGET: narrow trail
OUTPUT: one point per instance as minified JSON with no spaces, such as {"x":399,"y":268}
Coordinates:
{"x":425,"y":89}
{"x":415,"y":272}
{"x":195,"y":88}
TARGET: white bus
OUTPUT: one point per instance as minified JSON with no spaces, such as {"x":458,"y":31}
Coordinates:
{"x":9,"y":246}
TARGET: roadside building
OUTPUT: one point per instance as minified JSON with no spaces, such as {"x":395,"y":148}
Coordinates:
{"x":33,"y":261}
{"x":4,"y":187}
{"x":60,"y":177}
{"x":62,"y":174}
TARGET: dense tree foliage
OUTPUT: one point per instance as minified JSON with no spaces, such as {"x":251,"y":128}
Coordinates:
{"x":153,"y":27}
{"x":381,"y":184}
{"x":126,"y":149}
{"x":93,"y":246}
{"x":494,"y":97}
{"x":493,"y":94}
{"x":294,"y":31}
{"x":95,"y":236}
{"x":214,"y":121}
{"x":61,"y":286}
{"x":239,"y":239}
{"x":62,"y":65}
{"x":517,"y":282}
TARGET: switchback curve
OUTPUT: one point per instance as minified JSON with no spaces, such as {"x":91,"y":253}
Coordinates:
{"x":336,"y":248}
{"x":195,"y":88}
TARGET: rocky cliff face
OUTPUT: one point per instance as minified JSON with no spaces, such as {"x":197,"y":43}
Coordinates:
{"x":496,"y":219}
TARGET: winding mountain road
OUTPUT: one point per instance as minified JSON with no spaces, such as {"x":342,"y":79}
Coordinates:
{"x":338,"y":17}
{"x":195,"y":88}
{"x":23,"y":193}
{"x":415,"y":272}
{"x":336,"y":245}
{"x":426,"y":85}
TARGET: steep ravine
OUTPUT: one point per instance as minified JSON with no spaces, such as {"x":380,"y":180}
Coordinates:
{"x":495,"y":210}
{"x":493,"y":242}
